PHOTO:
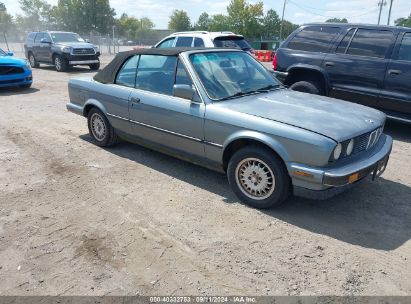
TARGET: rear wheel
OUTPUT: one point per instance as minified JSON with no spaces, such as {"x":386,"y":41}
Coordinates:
{"x":306,"y":87}
{"x":100,"y":129}
{"x":60,"y":63}
{"x":258,"y":177}
{"x":33,"y":62}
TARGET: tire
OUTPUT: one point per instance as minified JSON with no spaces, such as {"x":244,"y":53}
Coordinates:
{"x":259,"y":167}
{"x":33,"y":62}
{"x":306,"y":87}
{"x":94,"y":66}
{"x":100,"y":129}
{"x":60,"y":63}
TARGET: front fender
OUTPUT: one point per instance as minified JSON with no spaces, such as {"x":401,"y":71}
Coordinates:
{"x":260,"y":137}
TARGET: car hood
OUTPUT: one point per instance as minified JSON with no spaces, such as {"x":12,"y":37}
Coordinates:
{"x":80,"y":45}
{"x":8,"y":60}
{"x":333,"y":118}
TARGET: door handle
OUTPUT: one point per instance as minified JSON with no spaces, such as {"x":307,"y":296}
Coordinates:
{"x":329,"y":64}
{"x":394,"y":72}
{"x":135,"y":100}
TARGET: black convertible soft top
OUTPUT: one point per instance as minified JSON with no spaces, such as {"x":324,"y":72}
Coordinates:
{"x":108,"y":74}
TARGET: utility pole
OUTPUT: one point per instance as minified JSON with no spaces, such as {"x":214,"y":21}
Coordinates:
{"x":282,"y":21}
{"x":381,"y":4}
{"x":389,"y":13}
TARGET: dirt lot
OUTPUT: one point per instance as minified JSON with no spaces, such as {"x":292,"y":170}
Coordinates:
{"x":77,"y":219}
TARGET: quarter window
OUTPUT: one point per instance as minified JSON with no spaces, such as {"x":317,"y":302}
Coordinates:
{"x":198,"y":42}
{"x":405,"y":48}
{"x":181,"y":75}
{"x":127,"y":75}
{"x":314,"y":38}
{"x":371,"y":43}
{"x":167,"y":43}
{"x":155,"y":73}
{"x":184,"y":41}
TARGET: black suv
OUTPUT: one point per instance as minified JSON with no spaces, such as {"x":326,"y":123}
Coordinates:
{"x":366,"y":64}
{"x":62,"y":49}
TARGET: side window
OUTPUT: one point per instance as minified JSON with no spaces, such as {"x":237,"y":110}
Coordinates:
{"x":314,"y":38}
{"x":181,"y":75}
{"x":39,"y":36}
{"x":405,"y":48}
{"x":155,"y":73}
{"x":198,"y":42}
{"x":371,"y":43}
{"x":184,"y":41}
{"x":344,"y":43}
{"x":127,"y":75}
{"x":30,"y":37}
{"x":167,"y":43}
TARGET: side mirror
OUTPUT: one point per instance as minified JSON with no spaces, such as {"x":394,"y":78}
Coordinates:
{"x":44,"y":40}
{"x":87,"y":40}
{"x":10,"y":53}
{"x":183,"y":91}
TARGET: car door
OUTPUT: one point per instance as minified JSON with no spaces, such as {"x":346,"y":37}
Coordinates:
{"x":357,"y":66}
{"x":37,"y":47}
{"x":46,"y":48}
{"x":396,"y":94}
{"x":159,"y":117}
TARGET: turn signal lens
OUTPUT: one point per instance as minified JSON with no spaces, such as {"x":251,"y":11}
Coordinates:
{"x":350,"y":147}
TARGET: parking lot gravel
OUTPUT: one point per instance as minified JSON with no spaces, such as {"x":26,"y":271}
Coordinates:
{"x":76,"y":219}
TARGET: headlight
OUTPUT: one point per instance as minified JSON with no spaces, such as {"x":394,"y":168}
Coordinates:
{"x":337,"y":151}
{"x":95,"y":49}
{"x":350,"y":147}
{"x":28,"y":66}
{"x":66,"y":49}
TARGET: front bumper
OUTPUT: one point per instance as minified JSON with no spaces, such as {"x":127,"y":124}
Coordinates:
{"x":318,"y":183}
{"x":81,"y":59}
{"x":15,"y":80}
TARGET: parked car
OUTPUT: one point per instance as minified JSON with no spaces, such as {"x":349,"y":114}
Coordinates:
{"x":222,"y":109}
{"x":205,"y":39}
{"x":366,"y":64}
{"x":61,"y":49}
{"x":14,"y":72}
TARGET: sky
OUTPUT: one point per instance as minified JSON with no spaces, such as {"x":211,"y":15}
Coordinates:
{"x":297,"y":11}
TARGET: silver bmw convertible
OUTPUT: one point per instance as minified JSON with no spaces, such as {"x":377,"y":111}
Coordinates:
{"x":222,"y":109}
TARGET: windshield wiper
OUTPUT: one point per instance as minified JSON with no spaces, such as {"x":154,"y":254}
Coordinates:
{"x":268,"y":88}
{"x":238,"y":94}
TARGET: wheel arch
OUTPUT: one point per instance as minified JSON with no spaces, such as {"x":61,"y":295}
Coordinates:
{"x":249,"y":138}
{"x":302,"y":72}
{"x":93,"y":103}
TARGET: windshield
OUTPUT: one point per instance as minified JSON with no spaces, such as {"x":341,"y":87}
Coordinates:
{"x":2,"y":53}
{"x":66,"y":37}
{"x":232,"y":42}
{"x":226,"y":75}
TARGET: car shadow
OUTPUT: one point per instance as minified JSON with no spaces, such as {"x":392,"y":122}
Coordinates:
{"x":71,"y":70}
{"x":372,"y":215}
{"x":398,"y":131}
{"x":10,"y":91}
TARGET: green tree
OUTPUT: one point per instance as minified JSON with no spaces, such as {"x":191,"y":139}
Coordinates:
{"x":271,"y":24}
{"x":219,"y":23}
{"x":288,"y":28}
{"x":404,"y":21}
{"x":38,"y":15}
{"x":84,"y":16}
{"x":134,"y":28}
{"x":179,"y":21}
{"x":6,"y":20}
{"x":337,"y":20}
{"x":203,"y":23}
{"x":246,"y":18}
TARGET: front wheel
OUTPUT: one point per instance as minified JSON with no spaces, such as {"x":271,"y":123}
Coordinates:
{"x":60,"y":63}
{"x":258,"y":177}
{"x":94,"y":66}
{"x":100,"y":129}
{"x":33,"y":62}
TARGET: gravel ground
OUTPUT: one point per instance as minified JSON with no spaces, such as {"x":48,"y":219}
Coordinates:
{"x":76,"y":219}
